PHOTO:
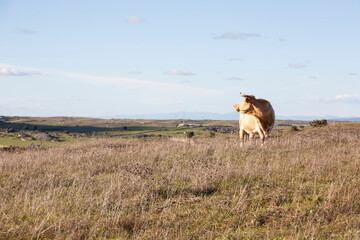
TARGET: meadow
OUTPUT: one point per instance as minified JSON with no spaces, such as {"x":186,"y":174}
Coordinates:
{"x":300,"y":185}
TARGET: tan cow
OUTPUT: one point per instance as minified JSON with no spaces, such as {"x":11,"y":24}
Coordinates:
{"x":256,"y":116}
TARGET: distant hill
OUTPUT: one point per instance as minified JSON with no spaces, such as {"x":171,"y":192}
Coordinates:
{"x":352,"y":119}
{"x":182,"y":115}
{"x":311,"y":118}
{"x":224,"y":116}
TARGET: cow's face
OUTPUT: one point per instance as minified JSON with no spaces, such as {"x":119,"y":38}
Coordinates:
{"x":237,"y":107}
{"x":244,"y":106}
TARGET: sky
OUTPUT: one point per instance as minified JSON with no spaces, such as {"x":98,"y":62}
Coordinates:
{"x":107,"y":58}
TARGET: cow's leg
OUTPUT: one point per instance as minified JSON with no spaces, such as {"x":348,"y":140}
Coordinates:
{"x":262,"y":137}
{"x":251,"y":137}
{"x":242,"y":134}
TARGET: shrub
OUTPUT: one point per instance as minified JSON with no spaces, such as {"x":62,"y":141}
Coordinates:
{"x":294,"y":128}
{"x":189,"y":134}
{"x":211,"y":134}
{"x":10,"y":130}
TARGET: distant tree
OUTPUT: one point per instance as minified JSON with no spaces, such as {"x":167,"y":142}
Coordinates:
{"x":318,"y":123}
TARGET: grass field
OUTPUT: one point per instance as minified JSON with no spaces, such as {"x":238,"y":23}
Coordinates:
{"x":301,"y":185}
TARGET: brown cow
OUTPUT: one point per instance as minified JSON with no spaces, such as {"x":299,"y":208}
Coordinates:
{"x":256,"y":116}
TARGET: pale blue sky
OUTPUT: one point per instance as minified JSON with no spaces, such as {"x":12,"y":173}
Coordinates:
{"x":105,"y":58}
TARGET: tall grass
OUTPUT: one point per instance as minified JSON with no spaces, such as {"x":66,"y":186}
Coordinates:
{"x":300,"y":185}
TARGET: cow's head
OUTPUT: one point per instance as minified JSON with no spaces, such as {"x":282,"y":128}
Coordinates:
{"x":245,"y":105}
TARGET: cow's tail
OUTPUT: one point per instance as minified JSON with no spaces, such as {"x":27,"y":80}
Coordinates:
{"x":261,"y":127}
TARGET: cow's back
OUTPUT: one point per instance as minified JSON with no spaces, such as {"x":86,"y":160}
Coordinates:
{"x":265,"y":113}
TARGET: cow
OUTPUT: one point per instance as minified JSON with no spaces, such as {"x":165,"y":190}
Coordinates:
{"x":256,"y":116}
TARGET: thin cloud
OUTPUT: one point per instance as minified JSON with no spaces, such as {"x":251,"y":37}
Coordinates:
{"x":234,"y":79}
{"x":24,"y":31}
{"x":235,"y":59}
{"x":186,"y":81}
{"x":179,"y":72}
{"x":143,"y":84}
{"x":162,"y":101}
{"x":344,"y":98}
{"x":238,"y":35}
{"x":134,"y":19}
{"x":8,"y":70}
{"x":135,"y":72}
{"x":353,"y":74}
{"x":296,"y":65}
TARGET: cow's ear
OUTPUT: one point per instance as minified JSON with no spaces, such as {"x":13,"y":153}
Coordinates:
{"x":247,"y":99}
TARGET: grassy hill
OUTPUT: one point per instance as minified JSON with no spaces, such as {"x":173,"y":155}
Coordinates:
{"x":301,"y":185}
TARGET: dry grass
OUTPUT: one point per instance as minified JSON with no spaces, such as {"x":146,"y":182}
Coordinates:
{"x":300,"y":185}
